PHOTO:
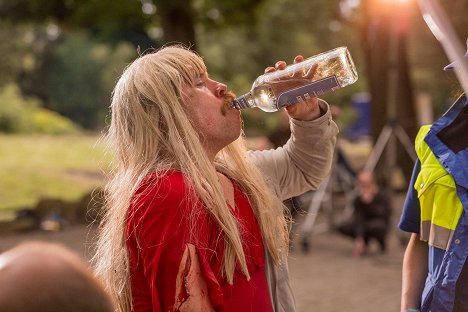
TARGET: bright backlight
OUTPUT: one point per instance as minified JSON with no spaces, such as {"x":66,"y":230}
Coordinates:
{"x":396,"y":1}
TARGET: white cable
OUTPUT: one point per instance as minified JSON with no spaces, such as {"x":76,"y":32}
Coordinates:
{"x":440,"y":26}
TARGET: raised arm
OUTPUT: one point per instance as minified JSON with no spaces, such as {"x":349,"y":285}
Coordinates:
{"x":305,"y":160}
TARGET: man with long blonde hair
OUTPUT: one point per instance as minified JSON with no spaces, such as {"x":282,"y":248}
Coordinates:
{"x":193,"y":221}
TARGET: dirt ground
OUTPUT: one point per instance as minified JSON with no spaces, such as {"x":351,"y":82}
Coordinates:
{"x":329,"y":279}
{"x":326,"y":279}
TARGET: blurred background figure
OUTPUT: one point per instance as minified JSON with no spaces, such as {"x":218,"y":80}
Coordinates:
{"x":38,"y":276}
{"x":371,"y":215}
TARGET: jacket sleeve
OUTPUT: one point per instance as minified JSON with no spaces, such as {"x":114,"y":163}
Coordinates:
{"x":410,"y":219}
{"x":305,"y":160}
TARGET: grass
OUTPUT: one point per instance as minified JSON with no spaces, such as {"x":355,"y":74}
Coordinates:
{"x":34,"y":167}
{"x":64,"y":167}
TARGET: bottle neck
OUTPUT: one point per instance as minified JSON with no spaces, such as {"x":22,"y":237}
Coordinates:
{"x":244,"y":101}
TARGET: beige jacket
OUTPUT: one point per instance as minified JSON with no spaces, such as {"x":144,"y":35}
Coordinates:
{"x":297,"y":167}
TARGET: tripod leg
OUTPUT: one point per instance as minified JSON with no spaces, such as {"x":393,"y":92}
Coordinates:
{"x":378,"y":148}
{"x":314,"y":207}
{"x":406,"y":142}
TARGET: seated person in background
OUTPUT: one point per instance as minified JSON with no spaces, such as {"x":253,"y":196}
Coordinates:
{"x":371,"y":216}
{"x":39,"y":276}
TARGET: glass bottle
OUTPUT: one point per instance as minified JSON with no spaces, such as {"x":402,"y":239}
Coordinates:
{"x":314,"y":76}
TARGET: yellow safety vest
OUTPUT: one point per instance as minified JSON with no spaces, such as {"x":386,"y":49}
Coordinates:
{"x":440,"y":206}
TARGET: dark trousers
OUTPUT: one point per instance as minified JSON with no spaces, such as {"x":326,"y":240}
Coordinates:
{"x":373,"y":229}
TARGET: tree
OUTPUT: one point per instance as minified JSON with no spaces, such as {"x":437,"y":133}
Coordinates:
{"x":79,"y":75}
{"x":112,"y":20}
{"x":15,"y":54}
{"x":177,"y":21}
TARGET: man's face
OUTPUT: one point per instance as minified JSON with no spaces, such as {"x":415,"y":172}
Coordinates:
{"x":216,"y":123}
{"x":367,"y":186}
{"x":365,"y":181}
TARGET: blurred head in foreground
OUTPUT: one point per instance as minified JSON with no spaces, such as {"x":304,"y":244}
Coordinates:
{"x":39,"y":276}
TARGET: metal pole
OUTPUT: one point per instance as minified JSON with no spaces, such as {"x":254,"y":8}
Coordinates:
{"x":440,"y":26}
{"x":392,"y":93}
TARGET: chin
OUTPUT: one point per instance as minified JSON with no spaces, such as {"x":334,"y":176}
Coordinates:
{"x":234,"y":135}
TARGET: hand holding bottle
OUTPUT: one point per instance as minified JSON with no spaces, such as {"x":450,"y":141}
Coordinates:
{"x":308,"y":109}
{"x":283,"y":86}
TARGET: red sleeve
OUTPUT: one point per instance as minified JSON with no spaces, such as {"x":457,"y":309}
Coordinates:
{"x":157,"y":235}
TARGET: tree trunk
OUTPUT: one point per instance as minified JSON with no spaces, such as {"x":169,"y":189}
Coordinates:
{"x":405,"y":111}
{"x":177,"y":22}
{"x":375,"y":34}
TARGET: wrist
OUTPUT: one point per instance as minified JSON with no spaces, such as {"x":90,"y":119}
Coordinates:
{"x":313,"y":114}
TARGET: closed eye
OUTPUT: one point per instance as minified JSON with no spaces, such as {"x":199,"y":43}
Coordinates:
{"x":201,"y":80}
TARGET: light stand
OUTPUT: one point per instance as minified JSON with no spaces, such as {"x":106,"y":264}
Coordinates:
{"x":385,"y":137}
{"x":339,"y":180}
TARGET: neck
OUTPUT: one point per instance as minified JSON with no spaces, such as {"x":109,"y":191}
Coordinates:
{"x":228,"y":189}
{"x":211,"y":155}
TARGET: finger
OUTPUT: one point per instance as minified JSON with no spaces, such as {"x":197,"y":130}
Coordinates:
{"x":298,"y":58}
{"x":311,"y":72}
{"x":280,"y":65}
{"x":300,"y":73}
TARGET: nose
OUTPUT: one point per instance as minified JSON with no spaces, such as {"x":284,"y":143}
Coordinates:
{"x":220,"y":90}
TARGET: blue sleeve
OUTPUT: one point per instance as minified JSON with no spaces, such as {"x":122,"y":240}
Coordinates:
{"x":410,"y":218}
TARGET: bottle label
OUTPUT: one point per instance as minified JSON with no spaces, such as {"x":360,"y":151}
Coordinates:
{"x":307,"y":91}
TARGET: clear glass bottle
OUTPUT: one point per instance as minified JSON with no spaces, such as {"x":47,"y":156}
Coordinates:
{"x":314,"y":76}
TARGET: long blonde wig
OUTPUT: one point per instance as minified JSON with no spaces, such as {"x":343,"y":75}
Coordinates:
{"x":150,"y":132}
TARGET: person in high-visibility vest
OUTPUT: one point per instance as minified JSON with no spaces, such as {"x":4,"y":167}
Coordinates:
{"x":435,"y":272}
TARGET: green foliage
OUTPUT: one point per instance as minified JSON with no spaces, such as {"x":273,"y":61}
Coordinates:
{"x":106,"y":19}
{"x":24,"y":115}
{"x":214,"y":14}
{"x":14,"y":52}
{"x":80,"y":74}
{"x":49,"y":122}
{"x":34,"y":10}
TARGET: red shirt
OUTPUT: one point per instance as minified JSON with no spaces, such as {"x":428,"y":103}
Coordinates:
{"x":158,"y":229}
